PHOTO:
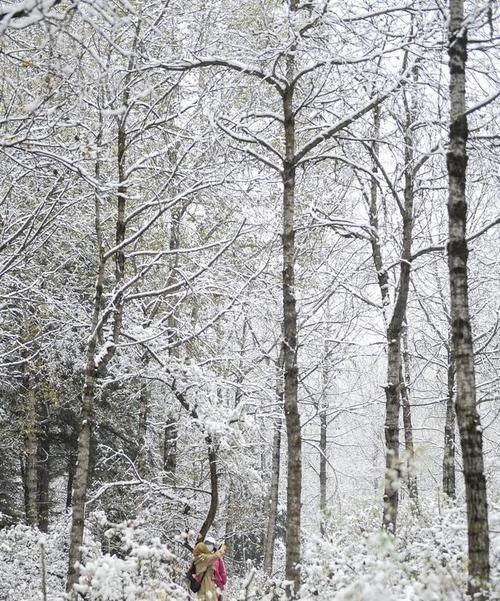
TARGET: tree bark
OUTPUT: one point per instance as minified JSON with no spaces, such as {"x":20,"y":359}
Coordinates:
{"x":273,"y":497}
{"x":80,"y":480}
{"x":170,"y":449}
{"x":391,"y":428}
{"x":469,"y":423}
{"x":92,"y":364}
{"x":449,"y":484}
{"x":43,"y":475}
{"x":142,"y":429}
{"x":71,"y":476}
{"x":214,"y":489}
{"x":30,"y":450}
{"x":407,"y":421}
{"x":392,"y":461}
{"x":290,"y":347}
{"x":272,"y":501}
{"x":170,"y":432}
{"x":322,"y":443}
{"x":142,"y":423}
{"x":394,"y":335}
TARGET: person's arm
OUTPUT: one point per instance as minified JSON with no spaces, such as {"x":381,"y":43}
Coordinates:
{"x":208,"y":559}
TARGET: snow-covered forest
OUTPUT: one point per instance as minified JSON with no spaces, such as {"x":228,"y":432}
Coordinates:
{"x":250,"y":288}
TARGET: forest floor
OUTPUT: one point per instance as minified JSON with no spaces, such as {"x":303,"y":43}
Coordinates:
{"x":354,"y":561}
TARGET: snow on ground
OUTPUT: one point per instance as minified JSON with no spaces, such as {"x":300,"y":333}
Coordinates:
{"x":355,"y":561}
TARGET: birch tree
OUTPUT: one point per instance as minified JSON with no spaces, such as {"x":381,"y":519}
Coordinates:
{"x":469,"y":422}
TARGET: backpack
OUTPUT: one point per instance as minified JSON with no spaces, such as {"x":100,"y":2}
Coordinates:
{"x":194,"y":585}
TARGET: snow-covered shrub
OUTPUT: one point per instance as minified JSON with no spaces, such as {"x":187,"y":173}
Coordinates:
{"x":359,"y":562}
{"x":21,"y":550}
{"x":139,"y":569}
{"x":120,"y":562}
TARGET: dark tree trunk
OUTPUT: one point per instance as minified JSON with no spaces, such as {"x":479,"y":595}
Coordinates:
{"x":80,"y":480}
{"x":43,"y":468}
{"x":170,"y":432}
{"x":22,"y":468}
{"x":170,"y":449}
{"x":322,"y":469}
{"x":272,"y":500}
{"x":290,"y":346}
{"x":392,"y":392}
{"x":92,"y":367}
{"x":394,"y":336}
{"x":214,"y":489}
{"x":449,"y":484}
{"x":273,"y":497}
{"x":30,"y":451}
{"x":71,"y":475}
{"x":323,"y":428}
{"x":469,"y":423}
{"x":142,"y":458}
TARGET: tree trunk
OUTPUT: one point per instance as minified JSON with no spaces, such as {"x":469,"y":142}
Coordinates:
{"x":322,"y":471}
{"x":468,"y":419}
{"x":71,"y":476}
{"x":322,"y":443}
{"x":214,"y":489}
{"x":43,"y":468}
{"x":30,"y":450}
{"x":392,"y":392}
{"x":273,"y":497}
{"x":292,"y":417}
{"x":80,"y":480}
{"x":394,"y":336}
{"x":272,"y":501}
{"x":142,"y":424}
{"x":449,"y":484}
{"x":392,"y":462}
{"x":382,"y":275}
{"x":170,"y":433}
{"x":170,"y":449}
{"x":92,"y":366}
{"x":407,"y":421}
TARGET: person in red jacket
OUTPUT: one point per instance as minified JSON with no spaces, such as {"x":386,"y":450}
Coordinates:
{"x":220,"y":575}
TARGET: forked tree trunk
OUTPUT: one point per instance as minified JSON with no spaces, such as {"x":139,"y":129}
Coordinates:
{"x":391,"y":429}
{"x":449,"y":484}
{"x":92,"y":364}
{"x":469,"y":423}
{"x":394,"y":335}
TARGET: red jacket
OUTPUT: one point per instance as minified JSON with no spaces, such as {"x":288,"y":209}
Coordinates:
{"x":220,"y":573}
